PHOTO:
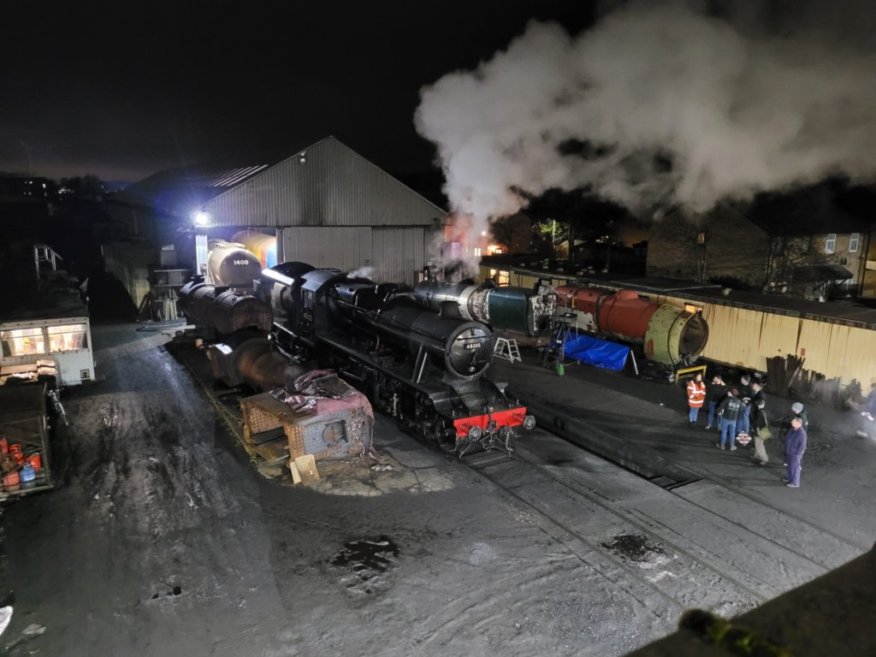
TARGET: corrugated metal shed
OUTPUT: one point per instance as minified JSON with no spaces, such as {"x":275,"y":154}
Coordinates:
{"x":327,"y":205}
{"x":394,"y":254}
{"x":326,"y":184}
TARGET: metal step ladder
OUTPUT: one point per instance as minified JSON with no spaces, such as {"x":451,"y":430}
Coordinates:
{"x":507,"y":349}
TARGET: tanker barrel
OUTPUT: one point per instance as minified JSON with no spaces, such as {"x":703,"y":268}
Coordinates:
{"x":229,"y":264}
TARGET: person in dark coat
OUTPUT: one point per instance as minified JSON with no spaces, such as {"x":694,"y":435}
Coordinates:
{"x":758,"y":403}
{"x":798,"y":411}
{"x":760,"y":431}
{"x":795,"y":447}
{"x":745,"y":393}
{"x":714,"y":396}
{"x":729,"y":411}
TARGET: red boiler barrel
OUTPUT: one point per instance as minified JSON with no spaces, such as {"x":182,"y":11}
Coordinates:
{"x":625,"y":315}
{"x":666,"y":333}
{"x":622,"y":314}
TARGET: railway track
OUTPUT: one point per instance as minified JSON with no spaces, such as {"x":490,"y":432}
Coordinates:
{"x":694,"y":544}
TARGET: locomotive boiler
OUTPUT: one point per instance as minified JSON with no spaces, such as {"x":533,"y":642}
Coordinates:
{"x":425,"y":369}
{"x":514,"y":311}
{"x":248,"y":357}
{"x":667,"y":334}
{"x":222,"y":310}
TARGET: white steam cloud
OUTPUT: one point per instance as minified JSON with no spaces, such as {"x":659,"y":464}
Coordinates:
{"x":654,"y":106}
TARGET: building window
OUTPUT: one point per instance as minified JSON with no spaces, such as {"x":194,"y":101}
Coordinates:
{"x":830,"y":243}
{"x":504,"y":278}
{"x":854,"y":241}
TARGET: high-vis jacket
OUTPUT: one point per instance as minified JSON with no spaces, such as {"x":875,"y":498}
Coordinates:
{"x":696,"y":393}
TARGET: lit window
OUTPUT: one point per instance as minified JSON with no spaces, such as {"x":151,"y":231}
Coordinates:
{"x":504,"y":278}
{"x":67,"y":338}
{"x":477,"y":252}
{"x":854,"y":241}
{"x":692,"y":309}
{"x":830,"y":243}
{"x":23,"y":342}
{"x":493,"y":273}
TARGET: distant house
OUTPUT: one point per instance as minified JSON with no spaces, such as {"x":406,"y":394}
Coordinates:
{"x":805,"y":245}
{"x":724,"y":245}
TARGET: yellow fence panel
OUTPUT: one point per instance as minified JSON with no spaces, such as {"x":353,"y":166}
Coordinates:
{"x":814,"y":345}
{"x":778,"y":338}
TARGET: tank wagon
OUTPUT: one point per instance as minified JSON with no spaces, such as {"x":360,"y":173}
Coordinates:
{"x":231,"y":265}
{"x":667,"y":334}
{"x":424,"y":368}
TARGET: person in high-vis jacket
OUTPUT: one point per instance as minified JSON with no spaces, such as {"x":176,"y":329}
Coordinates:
{"x":696,"y":397}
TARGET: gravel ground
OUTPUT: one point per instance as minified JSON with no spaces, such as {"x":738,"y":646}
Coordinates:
{"x":163,"y":539}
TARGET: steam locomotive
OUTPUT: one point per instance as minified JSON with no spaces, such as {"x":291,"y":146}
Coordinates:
{"x":425,"y":368}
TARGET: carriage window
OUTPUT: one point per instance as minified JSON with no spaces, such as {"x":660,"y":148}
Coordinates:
{"x":23,"y":342}
{"x":67,"y":338}
{"x":307,"y":299}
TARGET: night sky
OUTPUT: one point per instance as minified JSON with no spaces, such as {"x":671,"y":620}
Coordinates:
{"x":125,"y":89}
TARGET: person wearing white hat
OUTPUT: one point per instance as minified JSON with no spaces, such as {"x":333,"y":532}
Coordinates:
{"x":799,"y":410}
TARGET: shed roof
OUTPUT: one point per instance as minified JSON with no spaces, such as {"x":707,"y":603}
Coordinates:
{"x":179,"y":191}
{"x":225,"y":184}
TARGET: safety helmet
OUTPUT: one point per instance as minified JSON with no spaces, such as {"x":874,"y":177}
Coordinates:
{"x":797,"y":407}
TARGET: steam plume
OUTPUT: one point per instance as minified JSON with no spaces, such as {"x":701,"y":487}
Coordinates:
{"x":658,"y":104}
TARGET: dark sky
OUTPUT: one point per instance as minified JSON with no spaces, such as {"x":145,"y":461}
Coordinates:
{"x":125,"y":89}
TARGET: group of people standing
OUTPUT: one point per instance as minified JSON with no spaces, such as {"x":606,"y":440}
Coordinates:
{"x":739,"y":413}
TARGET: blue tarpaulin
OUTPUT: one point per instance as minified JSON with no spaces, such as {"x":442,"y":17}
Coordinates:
{"x":593,"y":351}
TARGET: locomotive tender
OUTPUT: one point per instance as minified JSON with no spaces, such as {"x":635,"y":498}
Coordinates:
{"x":420,"y":366}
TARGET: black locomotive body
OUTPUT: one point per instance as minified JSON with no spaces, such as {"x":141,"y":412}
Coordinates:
{"x":424,"y":369}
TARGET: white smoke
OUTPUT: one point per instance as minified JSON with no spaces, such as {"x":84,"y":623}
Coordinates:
{"x":658,"y":104}
{"x":365,"y":271}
